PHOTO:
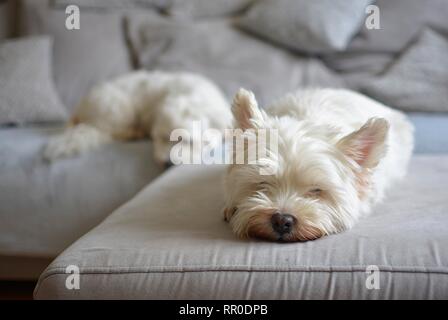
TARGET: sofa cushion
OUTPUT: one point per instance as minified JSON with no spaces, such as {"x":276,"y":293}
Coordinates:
{"x":313,"y":26}
{"x":84,"y":57}
{"x":45,"y":207}
{"x":400,"y":22}
{"x":224,"y":54}
{"x":27,"y":92}
{"x":175,"y":8}
{"x":170,"y":241}
{"x":418,"y":80}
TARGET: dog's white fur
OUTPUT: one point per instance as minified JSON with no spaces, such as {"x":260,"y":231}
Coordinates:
{"x":142,"y":104}
{"x":338,"y":153}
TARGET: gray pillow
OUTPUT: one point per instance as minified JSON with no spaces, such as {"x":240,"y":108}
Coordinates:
{"x":373,"y":50}
{"x":82,"y":58}
{"x":226,"y":55}
{"x":27,"y":92}
{"x":418,"y":80}
{"x":111,"y":4}
{"x":350,"y":61}
{"x":400,"y":22}
{"x":313,"y":26}
{"x":177,"y":8}
{"x":206,"y":8}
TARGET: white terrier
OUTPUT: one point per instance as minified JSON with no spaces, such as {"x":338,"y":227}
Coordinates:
{"x":338,"y":152}
{"x":139,"y":105}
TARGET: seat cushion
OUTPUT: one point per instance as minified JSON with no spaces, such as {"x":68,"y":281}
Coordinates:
{"x":170,"y":241}
{"x":45,"y":207}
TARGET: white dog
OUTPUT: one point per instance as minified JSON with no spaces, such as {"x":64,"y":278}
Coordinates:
{"x":143,"y":104}
{"x":338,"y":152}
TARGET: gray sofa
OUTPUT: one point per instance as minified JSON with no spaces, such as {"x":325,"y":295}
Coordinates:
{"x":169,"y":241}
{"x":45,"y":207}
{"x":157,"y":248}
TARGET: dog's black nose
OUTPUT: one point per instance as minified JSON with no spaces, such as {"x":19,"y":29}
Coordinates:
{"x":282,"y":222}
{"x":168,"y":164}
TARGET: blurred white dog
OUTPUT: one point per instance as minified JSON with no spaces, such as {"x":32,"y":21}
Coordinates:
{"x":338,"y":152}
{"x":139,"y":105}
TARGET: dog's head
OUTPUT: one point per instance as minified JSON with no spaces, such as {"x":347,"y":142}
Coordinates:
{"x":319,"y":177}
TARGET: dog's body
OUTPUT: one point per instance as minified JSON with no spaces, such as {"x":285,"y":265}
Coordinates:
{"x":142,"y":105}
{"x":338,"y":153}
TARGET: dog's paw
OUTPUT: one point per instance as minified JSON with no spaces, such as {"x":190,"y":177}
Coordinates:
{"x":52,"y":151}
{"x":55,"y":149}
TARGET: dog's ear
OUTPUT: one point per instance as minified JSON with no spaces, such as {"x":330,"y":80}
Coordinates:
{"x":245,"y":110}
{"x":367,"y":145}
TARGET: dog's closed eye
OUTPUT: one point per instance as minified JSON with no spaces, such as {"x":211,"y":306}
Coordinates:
{"x":314,"y":192}
{"x":263,"y":185}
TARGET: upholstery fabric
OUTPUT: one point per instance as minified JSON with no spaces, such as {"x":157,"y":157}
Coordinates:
{"x":82,"y":58}
{"x":431,"y":132}
{"x":418,"y":80}
{"x":157,"y":248}
{"x":27,"y":92}
{"x":400,"y":22}
{"x":45,"y":207}
{"x":316,"y":26}
{"x":374,"y":50}
{"x":225,"y":54}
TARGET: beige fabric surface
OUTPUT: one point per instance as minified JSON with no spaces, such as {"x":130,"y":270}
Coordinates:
{"x":170,"y":241}
{"x":44,"y":207}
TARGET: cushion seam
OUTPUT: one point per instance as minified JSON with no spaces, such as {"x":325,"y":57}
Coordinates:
{"x":168,"y":268}
{"x":57,"y":271}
